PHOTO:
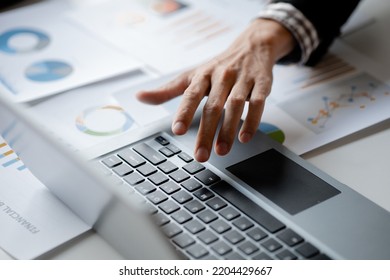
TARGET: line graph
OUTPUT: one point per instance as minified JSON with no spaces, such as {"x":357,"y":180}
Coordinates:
{"x":355,"y":98}
{"x":341,"y":103}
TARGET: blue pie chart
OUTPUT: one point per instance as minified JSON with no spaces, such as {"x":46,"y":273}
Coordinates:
{"x":23,"y":40}
{"x":48,"y":71}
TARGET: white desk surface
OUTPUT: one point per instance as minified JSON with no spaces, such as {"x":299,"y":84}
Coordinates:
{"x":360,"y":161}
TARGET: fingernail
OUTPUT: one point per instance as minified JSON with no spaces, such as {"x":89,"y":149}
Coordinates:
{"x":245,"y":137}
{"x":222,"y":148}
{"x":202,"y":154}
{"x":179,"y":128}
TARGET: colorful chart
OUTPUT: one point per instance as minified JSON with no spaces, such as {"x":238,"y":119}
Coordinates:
{"x":166,"y":7}
{"x":339,"y":104}
{"x":23,"y":40}
{"x":129,"y":19}
{"x":343,"y":101}
{"x":272,"y":131}
{"x":48,"y":71}
{"x":9,"y":159}
{"x":104,"y":121}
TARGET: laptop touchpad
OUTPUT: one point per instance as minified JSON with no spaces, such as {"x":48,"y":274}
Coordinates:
{"x":284,"y":182}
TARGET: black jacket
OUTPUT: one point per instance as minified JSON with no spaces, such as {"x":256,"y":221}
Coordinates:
{"x":327,"y":16}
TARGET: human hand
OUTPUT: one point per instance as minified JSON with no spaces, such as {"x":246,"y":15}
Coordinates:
{"x":242,"y":73}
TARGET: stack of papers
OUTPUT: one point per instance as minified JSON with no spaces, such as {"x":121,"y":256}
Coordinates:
{"x":98,"y":53}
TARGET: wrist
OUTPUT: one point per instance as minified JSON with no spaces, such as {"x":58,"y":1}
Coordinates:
{"x":271,"y":35}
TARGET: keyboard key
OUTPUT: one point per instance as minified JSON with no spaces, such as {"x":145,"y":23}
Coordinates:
{"x":221,"y":248}
{"x":170,"y":187}
{"x":173,"y":149}
{"x":194,"y":206}
{"x":179,"y":176}
{"x":261,"y":256}
{"x":111,"y":161}
{"x":234,"y":256}
{"x":257,"y":234}
{"x":254,"y":211}
{"x":243,"y":223}
{"x":191,"y":185}
{"x":100,"y":168}
{"x":115,"y":180}
{"x":149,"y":153}
{"x":158,"y":178}
{"x":157,"y":197}
{"x":167,"y":167}
{"x":182,"y":196}
{"x":229,"y":213}
{"x":203,"y":194}
{"x":286,"y":255}
{"x":145,"y":188}
{"x":207,"y":177}
{"x":210,"y":257}
{"x":234,"y":237}
{"x":216,"y":203}
{"x":197,"y":251}
{"x":271,"y":245}
{"x":220,"y":226}
{"x":131,"y":158}
{"x":146,"y":169}
{"x":207,"y":237}
{"x":320,"y":257}
{"x":289,"y":237}
{"x":183,"y":240}
{"x":150,"y":208}
{"x":307,"y":250}
{"x":134,"y":178}
{"x":207,"y":216}
{"x":194,"y":226}
{"x":166,"y":152}
{"x":171,"y":230}
{"x":122,"y":169}
{"x":181,"y":216}
{"x":161,"y":140}
{"x":248,"y":248}
{"x":137,"y":198}
{"x":169,"y":206}
{"x":193,"y":167}
{"x":160,"y":219}
{"x":185,"y":157}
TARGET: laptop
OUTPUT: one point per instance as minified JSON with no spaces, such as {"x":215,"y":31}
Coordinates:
{"x":144,"y":193}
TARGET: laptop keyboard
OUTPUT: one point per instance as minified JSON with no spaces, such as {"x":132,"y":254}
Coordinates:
{"x":203,"y":215}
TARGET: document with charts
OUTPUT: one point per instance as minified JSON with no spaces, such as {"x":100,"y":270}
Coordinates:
{"x":89,"y":115}
{"x":169,"y":35}
{"x":343,"y":94}
{"x":42,"y":53}
{"x":33,"y":221}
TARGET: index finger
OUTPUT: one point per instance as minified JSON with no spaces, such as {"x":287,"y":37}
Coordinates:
{"x":166,"y":92}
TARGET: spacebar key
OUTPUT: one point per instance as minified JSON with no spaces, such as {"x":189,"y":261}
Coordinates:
{"x":247,"y":206}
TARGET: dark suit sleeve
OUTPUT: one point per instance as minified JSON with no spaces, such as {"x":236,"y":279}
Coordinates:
{"x":327,"y":16}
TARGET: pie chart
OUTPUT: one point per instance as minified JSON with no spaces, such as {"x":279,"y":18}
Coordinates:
{"x":104,"y":121}
{"x":23,"y":40}
{"x":272,"y":131}
{"x":48,"y":71}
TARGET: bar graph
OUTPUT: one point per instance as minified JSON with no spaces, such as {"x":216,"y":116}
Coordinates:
{"x":8,"y":158}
